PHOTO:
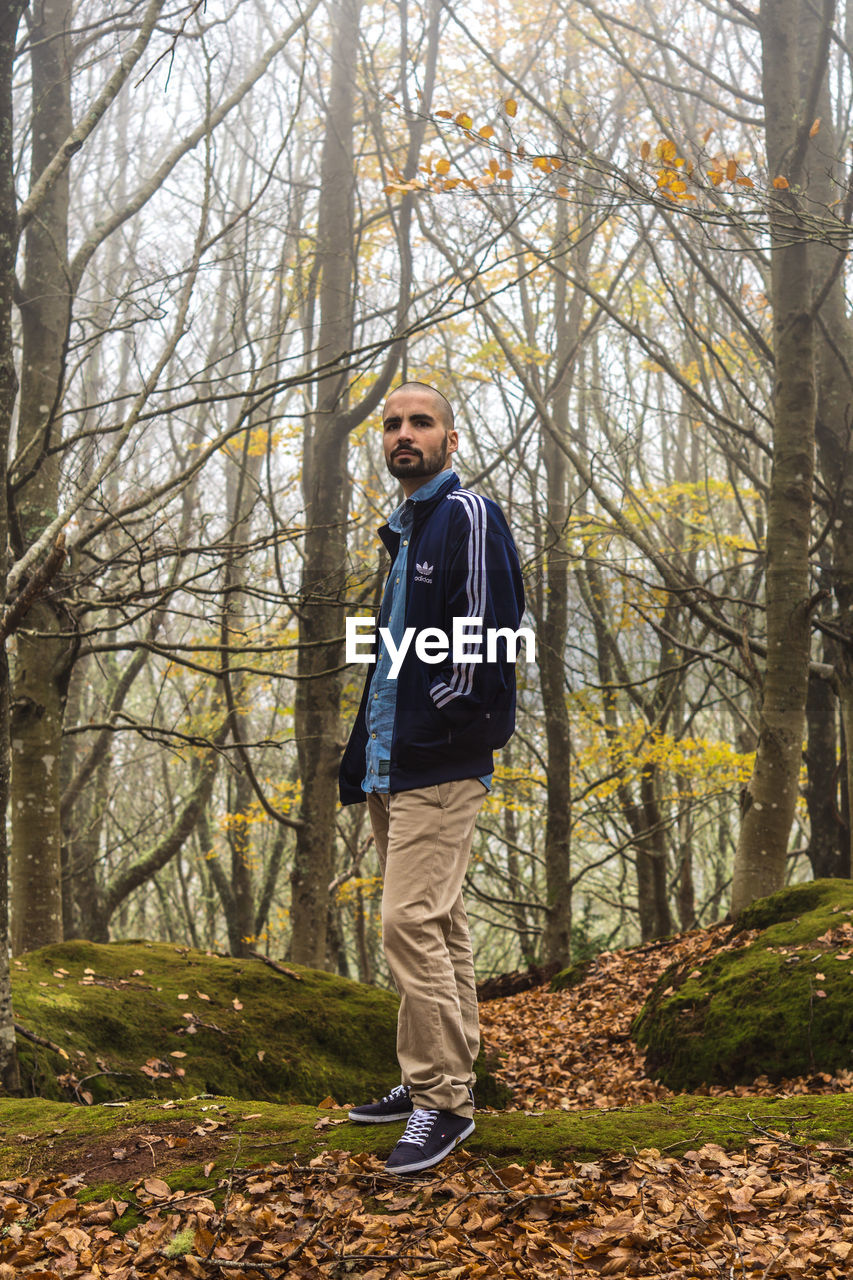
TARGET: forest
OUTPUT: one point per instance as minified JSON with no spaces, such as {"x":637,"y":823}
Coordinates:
{"x":615,"y":235}
{"x":616,"y":239}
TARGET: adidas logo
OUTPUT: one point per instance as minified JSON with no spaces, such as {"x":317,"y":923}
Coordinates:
{"x":424,"y":572}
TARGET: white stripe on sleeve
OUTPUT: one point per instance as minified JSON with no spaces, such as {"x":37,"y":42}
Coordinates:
{"x":462,"y":680}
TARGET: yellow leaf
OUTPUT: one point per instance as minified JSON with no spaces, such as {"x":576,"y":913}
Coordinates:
{"x":813,"y":130}
{"x":493,"y":165}
{"x":442,"y":166}
{"x":505,"y":175}
{"x":463,"y":120}
{"x":645,"y":150}
{"x":444,"y":115}
{"x":731,"y":170}
{"x":706,"y":135}
{"x":563,"y":191}
{"x":667,"y":150}
{"x":449,"y":184}
{"x":781,"y":184}
{"x":745,"y":182}
{"x":510,"y":106}
{"x":486,"y":132}
{"x":716,"y":177}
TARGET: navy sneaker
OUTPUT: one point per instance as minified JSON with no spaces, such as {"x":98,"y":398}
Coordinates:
{"x":429,"y":1137}
{"x":396,"y":1105}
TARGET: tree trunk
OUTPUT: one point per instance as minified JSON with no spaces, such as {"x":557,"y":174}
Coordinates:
{"x":557,"y":941}
{"x":769,"y":800}
{"x":325,"y":482}
{"x":834,"y":354}
{"x":325,"y":488}
{"x":10,"y":16}
{"x":828,"y":852}
{"x":652,"y":894}
{"x":41,"y":664}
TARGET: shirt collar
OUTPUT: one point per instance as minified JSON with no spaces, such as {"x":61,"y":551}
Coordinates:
{"x":403,"y":514}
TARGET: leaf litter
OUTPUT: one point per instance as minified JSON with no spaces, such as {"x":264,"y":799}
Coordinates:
{"x":775,"y":1209}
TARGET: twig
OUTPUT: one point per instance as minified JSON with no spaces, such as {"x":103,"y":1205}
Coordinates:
{"x":231,"y":1176}
{"x":45,"y":1044}
{"x":775,"y":1258}
{"x":94,"y":1076}
{"x":274,"y":964}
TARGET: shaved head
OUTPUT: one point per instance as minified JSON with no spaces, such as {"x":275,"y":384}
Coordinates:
{"x":444,"y":409}
{"x":418,"y":435}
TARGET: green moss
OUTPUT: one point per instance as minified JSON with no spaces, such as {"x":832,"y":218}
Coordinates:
{"x":573,"y":976}
{"x":760,"y":1008}
{"x":278,"y":1134}
{"x":795,"y":900}
{"x":182,"y":1244}
{"x":245,"y":1030}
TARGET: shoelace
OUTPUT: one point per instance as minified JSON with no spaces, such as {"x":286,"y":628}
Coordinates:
{"x":419,"y":1126}
{"x":399,"y":1091}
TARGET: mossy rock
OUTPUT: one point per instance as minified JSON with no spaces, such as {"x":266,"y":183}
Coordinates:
{"x":142,"y":1019}
{"x":571,"y":977}
{"x":779,"y":1004}
{"x":795,"y":900}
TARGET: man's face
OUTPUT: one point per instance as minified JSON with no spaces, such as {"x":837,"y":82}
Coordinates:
{"x":415,"y":437}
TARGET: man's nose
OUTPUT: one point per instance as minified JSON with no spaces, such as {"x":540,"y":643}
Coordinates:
{"x":405,"y":432}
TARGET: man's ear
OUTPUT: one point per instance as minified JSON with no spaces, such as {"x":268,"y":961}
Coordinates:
{"x":452,"y":441}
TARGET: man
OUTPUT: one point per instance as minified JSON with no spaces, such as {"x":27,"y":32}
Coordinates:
{"x":421,"y":755}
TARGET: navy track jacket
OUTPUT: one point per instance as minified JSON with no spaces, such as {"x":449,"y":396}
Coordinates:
{"x":449,"y":718}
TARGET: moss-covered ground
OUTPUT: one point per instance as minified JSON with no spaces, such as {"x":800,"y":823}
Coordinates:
{"x":115,"y":1149}
{"x":777,"y":1001}
{"x":139,"y":1019}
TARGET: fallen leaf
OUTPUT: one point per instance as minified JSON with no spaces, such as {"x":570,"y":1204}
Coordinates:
{"x":157,"y":1187}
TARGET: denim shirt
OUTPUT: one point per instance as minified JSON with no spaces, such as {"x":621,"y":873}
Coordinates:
{"x":383,"y":692}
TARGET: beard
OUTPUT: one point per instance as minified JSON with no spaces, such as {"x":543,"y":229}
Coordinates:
{"x":418,"y":463}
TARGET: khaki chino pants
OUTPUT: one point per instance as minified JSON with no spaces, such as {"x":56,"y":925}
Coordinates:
{"x":423,"y":839}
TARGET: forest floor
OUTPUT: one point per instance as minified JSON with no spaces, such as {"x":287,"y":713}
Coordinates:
{"x":753,"y":1182}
